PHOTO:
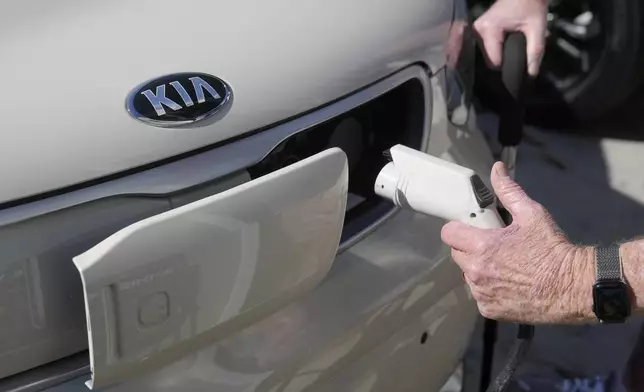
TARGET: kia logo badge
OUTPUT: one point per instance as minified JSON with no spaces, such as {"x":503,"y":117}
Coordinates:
{"x":179,"y":99}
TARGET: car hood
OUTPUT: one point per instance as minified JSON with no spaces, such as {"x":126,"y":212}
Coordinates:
{"x":69,"y":66}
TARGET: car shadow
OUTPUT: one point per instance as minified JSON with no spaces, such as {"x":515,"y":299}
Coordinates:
{"x":592,"y":185}
{"x":624,"y":123}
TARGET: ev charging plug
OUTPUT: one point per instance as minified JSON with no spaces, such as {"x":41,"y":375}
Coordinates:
{"x":436,"y":187}
{"x":433,"y":186}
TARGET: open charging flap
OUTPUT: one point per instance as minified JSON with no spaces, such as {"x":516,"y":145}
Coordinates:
{"x":170,"y":285}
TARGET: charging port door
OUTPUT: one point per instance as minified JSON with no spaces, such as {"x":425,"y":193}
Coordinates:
{"x":170,"y":285}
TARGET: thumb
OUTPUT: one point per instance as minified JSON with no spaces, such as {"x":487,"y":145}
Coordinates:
{"x":510,"y":194}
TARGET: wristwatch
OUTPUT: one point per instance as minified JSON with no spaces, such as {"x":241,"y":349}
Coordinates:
{"x":611,"y":301}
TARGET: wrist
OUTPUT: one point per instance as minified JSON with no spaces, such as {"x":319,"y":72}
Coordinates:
{"x":581,"y":296}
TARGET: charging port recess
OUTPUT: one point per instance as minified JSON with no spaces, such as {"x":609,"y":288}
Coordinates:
{"x":363,"y":133}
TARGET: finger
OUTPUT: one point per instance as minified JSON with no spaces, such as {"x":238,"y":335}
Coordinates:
{"x":480,"y":297}
{"x":480,"y":294}
{"x":488,"y":310}
{"x":535,"y":46}
{"x":510,"y":194}
{"x":492,"y":39}
{"x":465,"y":238}
{"x":462,"y":260}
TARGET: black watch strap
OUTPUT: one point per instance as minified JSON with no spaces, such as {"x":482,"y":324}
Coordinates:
{"x":608,"y":264}
{"x":611,"y":300}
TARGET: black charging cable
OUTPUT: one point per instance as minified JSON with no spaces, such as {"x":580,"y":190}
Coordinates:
{"x":514,"y":77}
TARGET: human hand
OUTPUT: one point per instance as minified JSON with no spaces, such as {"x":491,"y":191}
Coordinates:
{"x":527,"y":272}
{"x":527,"y":16}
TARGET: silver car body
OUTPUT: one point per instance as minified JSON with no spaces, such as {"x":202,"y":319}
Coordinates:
{"x":92,"y":201}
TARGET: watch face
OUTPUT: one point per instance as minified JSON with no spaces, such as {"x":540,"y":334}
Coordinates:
{"x":611,"y":301}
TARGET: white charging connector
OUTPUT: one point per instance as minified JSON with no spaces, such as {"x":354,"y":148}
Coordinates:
{"x":436,"y":187}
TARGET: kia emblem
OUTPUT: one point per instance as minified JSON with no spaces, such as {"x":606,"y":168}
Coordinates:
{"x":177,"y":100}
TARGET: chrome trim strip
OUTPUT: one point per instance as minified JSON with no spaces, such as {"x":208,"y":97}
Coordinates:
{"x":215,"y":163}
{"x":48,"y":375}
{"x":58,"y":379}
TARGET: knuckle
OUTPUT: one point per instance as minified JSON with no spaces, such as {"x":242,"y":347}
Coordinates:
{"x":482,"y":24}
{"x":475,"y":273}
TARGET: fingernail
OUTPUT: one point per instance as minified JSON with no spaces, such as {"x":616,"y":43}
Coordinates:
{"x":533,"y":68}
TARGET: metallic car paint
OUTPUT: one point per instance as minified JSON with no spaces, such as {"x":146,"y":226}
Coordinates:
{"x":340,"y":336}
{"x":360,"y":329}
{"x":73,"y":63}
{"x":61,"y":227}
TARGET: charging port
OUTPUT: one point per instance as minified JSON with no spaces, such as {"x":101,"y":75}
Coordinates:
{"x":363,"y":133}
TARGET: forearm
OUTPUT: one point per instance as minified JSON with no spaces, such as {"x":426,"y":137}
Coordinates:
{"x":633,"y":266}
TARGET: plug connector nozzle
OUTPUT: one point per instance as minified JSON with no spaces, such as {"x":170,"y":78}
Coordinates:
{"x":386,"y":184}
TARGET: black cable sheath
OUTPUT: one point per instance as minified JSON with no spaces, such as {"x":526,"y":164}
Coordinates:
{"x":514,"y":75}
{"x":519,"y":348}
{"x":487,"y":360}
{"x":515,"y":357}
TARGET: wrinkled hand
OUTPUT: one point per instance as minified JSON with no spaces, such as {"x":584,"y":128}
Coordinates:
{"x":527,"y":272}
{"x":527,"y":16}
